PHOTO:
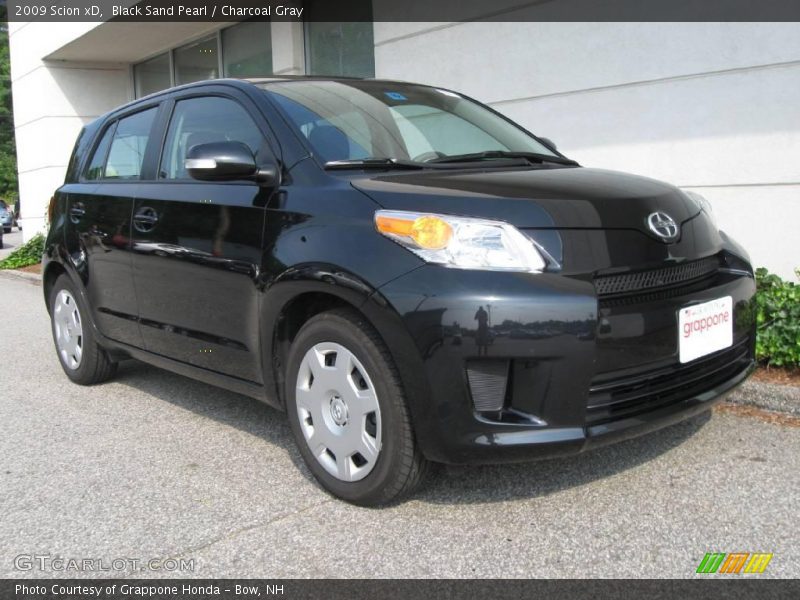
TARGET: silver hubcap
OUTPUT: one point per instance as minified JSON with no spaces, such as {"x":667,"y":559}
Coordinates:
{"x":68,"y":329}
{"x":338,"y":410}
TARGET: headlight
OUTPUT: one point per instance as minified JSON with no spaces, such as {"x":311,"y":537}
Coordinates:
{"x":462,"y":242}
{"x":705,"y":206}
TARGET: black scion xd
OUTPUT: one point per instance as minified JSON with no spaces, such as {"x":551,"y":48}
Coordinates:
{"x":411,"y":276}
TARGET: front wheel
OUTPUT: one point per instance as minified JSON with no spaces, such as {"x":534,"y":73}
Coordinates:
{"x":348,"y":412}
{"x":81,"y":357}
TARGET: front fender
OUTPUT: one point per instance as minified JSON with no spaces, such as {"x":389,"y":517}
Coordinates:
{"x":326,"y":281}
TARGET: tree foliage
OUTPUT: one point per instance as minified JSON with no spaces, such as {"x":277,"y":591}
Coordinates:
{"x":8,"y":155}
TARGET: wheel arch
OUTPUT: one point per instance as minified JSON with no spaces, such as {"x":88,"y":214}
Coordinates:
{"x":295,"y":298}
{"x":52,"y":271}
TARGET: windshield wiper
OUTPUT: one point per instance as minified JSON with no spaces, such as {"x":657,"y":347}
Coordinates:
{"x":373,"y":163}
{"x":531,"y":157}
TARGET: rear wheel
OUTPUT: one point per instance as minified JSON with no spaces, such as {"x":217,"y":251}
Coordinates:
{"x":82,"y":359}
{"x":348,"y":412}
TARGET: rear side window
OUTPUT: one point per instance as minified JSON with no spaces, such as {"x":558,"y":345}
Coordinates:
{"x":127,"y":148}
{"x":203,"y":121}
{"x":120,"y":153}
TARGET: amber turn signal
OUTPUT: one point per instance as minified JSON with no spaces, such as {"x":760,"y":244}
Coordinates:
{"x":429,"y":232}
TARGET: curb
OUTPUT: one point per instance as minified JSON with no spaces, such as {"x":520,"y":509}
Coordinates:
{"x":768,"y":396}
{"x":32,"y":278}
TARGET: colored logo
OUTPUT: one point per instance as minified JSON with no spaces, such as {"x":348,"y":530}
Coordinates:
{"x":734,"y":563}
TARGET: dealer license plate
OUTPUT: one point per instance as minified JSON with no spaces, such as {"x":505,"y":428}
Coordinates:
{"x":705,"y":328}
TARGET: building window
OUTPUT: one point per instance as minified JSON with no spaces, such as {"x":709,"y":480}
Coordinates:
{"x":197,"y":61}
{"x":152,"y":75}
{"x":340,"y":49}
{"x":247,"y":50}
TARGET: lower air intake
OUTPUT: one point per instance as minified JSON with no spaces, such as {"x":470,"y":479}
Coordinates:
{"x":487,"y":383}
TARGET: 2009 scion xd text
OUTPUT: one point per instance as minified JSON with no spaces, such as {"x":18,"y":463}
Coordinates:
{"x":411,"y":276}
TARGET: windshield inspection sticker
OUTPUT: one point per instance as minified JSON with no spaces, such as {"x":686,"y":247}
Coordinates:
{"x":395,"y":96}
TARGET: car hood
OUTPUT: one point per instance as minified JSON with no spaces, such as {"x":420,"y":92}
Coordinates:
{"x":571,"y":197}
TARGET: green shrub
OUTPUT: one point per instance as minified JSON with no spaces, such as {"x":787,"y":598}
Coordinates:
{"x":778,"y":316}
{"x":30,"y":253}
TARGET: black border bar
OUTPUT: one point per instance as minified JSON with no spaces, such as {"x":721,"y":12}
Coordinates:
{"x":708,"y":587}
{"x":146,"y":11}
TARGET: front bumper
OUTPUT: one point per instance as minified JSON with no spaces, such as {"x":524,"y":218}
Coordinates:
{"x":580,"y":372}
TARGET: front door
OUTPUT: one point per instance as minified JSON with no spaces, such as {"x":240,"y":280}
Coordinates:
{"x":197,"y":247}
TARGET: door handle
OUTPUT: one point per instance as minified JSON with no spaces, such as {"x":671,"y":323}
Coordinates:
{"x":145,"y":219}
{"x":76,"y":212}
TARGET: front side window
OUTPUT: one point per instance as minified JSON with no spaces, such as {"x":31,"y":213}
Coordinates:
{"x":126,"y":154}
{"x":353,"y":120}
{"x":203,"y":121}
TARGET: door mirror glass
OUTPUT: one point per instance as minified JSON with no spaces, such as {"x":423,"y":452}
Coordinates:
{"x":220,"y":161}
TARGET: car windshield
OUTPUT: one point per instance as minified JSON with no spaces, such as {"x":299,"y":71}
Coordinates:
{"x":352,"y":121}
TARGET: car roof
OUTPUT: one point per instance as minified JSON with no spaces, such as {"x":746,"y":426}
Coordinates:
{"x":242,"y":84}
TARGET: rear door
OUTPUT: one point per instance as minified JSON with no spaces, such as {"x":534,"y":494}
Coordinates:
{"x":99,"y":210}
{"x":197,"y":245}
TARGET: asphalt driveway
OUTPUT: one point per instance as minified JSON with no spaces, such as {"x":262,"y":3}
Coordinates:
{"x":156,"y":466}
{"x":11,"y":241}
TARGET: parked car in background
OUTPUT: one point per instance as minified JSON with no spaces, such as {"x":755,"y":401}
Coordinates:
{"x":349,"y":250}
{"x":6,"y":217}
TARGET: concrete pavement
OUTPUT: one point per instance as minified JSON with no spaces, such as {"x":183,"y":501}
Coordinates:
{"x":11,"y":241}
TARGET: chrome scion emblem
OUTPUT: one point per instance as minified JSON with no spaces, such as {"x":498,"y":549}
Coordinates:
{"x":663,"y":226}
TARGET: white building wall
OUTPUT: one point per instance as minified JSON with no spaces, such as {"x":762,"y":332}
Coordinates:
{"x":712,"y":107}
{"x":52,"y":101}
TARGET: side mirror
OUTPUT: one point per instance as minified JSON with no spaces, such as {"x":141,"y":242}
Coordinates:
{"x":220,"y":161}
{"x":548,"y":142}
{"x":227,"y":161}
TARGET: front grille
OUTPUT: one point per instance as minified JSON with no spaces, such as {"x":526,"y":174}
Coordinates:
{"x":633,"y":283}
{"x":612,"y":399}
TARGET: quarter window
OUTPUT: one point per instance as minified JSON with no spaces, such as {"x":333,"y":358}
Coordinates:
{"x":98,"y":162}
{"x":203,"y":121}
{"x":126,"y":154}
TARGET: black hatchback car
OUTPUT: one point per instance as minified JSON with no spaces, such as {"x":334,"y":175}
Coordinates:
{"x":411,"y":276}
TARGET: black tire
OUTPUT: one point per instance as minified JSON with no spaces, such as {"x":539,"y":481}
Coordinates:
{"x":6,"y":229}
{"x":95,"y":364}
{"x":400,"y":466}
